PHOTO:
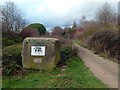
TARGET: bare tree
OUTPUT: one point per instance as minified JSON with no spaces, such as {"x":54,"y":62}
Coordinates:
{"x":82,"y":20}
{"x":57,"y":30}
{"x":105,"y":15}
{"x":12,"y":19}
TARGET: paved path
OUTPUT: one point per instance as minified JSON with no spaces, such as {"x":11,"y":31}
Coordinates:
{"x":105,"y":70}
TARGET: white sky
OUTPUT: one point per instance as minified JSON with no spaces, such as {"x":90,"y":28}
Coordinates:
{"x":60,"y":12}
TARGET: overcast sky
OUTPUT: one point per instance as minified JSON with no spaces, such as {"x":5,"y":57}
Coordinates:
{"x":60,"y":12}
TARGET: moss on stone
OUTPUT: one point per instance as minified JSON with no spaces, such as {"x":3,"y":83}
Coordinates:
{"x":52,"y":53}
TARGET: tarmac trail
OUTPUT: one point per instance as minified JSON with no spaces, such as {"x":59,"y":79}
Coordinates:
{"x":105,"y":70}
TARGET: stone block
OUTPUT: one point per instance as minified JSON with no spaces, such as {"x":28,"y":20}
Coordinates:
{"x":40,"y":53}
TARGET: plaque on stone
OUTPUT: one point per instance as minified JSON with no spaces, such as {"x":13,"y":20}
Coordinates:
{"x":38,"y":50}
{"x":37,"y":60}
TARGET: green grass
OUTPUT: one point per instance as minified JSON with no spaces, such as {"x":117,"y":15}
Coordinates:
{"x":76,"y":75}
{"x":77,"y":41}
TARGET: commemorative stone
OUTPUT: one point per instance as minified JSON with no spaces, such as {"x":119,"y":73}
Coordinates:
{"x":40,"y":53}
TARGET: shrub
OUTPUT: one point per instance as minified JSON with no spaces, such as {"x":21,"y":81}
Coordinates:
{"x":41,"y":28}
{"x":63,"y":41}
{"x":57,"y":31}
{"x":29,"y":32}
{"x":17,"y":40}
{"x":10,"y":34}
{"x":74,"y":51}
{"x":11,"y":69}
{"x":11,"y":59}
{"x":64,"y":34}
{"x":8,"y":41}
{"x":66,"y":53}
{"x":12,"y":53}
{"x":104,"y":42}
{"x":87,"y":33}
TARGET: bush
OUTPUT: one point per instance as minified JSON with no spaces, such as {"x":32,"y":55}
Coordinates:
{"x":8,"y":41}
{"x":17,"y":40}
{"x":11,"y":34}
{"x":105,"y":42}
{"x":87,"y":33}
{"x":11,"y":69}
{"x":11,"y":59}
{"x":29,"y":32}
{"x":64,"y":34}
{"x":57,"y":31}
{"x":40,"y":27}
{"x":67,"y":52}
{"x":63,"y":41}
{"x":12,"y":53}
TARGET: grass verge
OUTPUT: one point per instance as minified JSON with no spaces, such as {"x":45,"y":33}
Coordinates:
{"x":75,"y":75}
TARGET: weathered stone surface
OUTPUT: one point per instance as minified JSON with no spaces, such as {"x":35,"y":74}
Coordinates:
{"x":52,"y":53}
